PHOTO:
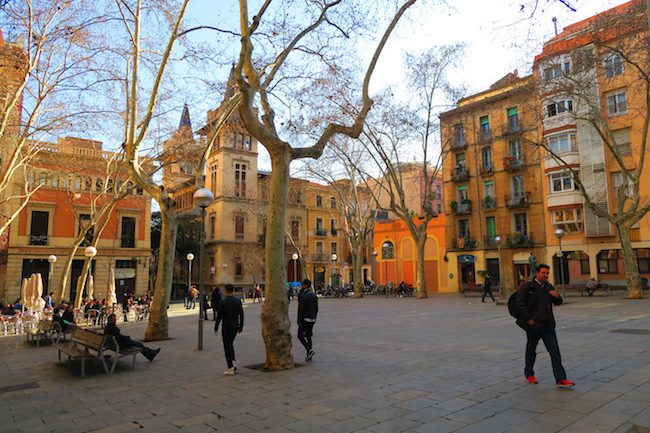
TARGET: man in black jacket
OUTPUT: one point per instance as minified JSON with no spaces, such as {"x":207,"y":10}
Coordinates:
{"x":535,"y":300}
{"x":125,"y":341}
{"x":307,"y":312}
{"x":231,"y":312}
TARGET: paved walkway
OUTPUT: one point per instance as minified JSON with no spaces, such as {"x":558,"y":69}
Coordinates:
{"x":382,"y":365}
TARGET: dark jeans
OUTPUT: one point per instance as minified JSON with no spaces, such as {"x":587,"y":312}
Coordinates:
{"x":487,"y":291}
{"x":534,"y":334}
{"x":146,"y":351}
{"x":305,"y":331}
{"x":228,"y":334}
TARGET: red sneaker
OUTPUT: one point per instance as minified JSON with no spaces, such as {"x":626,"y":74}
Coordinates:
{"x":531,"y":379}
{"x":565,"y":383}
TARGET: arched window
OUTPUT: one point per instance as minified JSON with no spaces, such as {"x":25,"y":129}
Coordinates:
{"x":387,"y":250}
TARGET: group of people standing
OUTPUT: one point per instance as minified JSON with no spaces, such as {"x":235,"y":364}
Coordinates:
{"x":229,"y":313}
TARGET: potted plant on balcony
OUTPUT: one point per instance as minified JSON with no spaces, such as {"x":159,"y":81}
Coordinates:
{"x":488,"y":201}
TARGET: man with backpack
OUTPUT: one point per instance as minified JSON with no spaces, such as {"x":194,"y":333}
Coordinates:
{"x":532,"y":306}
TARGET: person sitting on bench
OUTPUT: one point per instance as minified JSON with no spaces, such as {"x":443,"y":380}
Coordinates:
{"x":593,"y":285}
{"x":125,"y":341}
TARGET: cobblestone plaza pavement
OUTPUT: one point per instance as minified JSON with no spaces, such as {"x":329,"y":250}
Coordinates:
{"x":382,"y":365}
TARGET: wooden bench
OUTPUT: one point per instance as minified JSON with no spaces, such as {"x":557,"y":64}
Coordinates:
{"x":43,"y":331}
{"x":84,"y":345}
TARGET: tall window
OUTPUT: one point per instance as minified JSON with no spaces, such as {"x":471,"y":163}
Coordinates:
{"x":463,"y":194}
{"x":213,"y":225}
{"x":556,"y":70}
{"x":333,"y":226}
{"x":248,"y":142}
{"x":486,"y":159}
{"x":84,"y":223}
{"x":613,"y":65}
{"x":334,"y":248}
{"x":617,"y":103}
{"x":561,"y":143}
{"x":562,"y":181}
{"x":239,"y":227}
{"x":514,"y":149}
{"x":485,"y":127}
{"x":463,"y":228}
{"x":643,"y":260}
{"x":319,"y":201}
{"x":387,"y":250}
{"x":213,"y":179}
{"x":39,"y":228}
{"x":608,"y":262}
{"x":240,"y":180}
{"x":459,"y":135}
{"x":520,"y":223}
{"x":460,"y":160}
{"x":513,"y":119}
{"x":569,"y":220}
{"x":517,"y":185}
{"x":332,"y":202}
{"x":319,"y":227}
{"x":239,"y":267}
{"x":620,"y":181}
{"x":622,"y":142}
{"x":319,"y":247}
{"x":128,"y":232}
{"x":488,"y":189}
{"x":491,"y":229}
{"x":295,"y":229}
{"x":558,"y":107}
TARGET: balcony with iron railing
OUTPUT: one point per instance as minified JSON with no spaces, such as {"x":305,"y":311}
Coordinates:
{"x":486,"y":169}
{"x":490,"y":241}
{"x":520,"y":240}
{"x":513,"y":163}
{"x":320,"y":232}
{"x":463,"y":243}
{"x":460,"y":173}
{"x":484,"y":136}
{"x":518,"y":200}
{"x":38,"y":239}
{"x":459,"y":142}
{"x":464,"y":207}
{"x":319,"y":257}
{"x":489,"y":203}
{"x":511,"y":129}
{"x":334,"y":232}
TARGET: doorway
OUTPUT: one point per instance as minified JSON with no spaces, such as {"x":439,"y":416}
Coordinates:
{"x":521,"y":273}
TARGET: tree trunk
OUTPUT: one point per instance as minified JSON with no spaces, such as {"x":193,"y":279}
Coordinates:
{"x":634,"y":290}
{"x":60,"y":293}
{"x":357,"y":261}
{"x":158,"y":326}
{"x":276,"y":327}
{"x":420,"y":281}
{"x":81,"y":284}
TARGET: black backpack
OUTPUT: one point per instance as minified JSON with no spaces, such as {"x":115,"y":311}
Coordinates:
{"x":512,"y":303}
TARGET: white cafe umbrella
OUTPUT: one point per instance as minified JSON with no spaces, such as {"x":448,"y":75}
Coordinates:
{"x":29,"y":292}
{"x":111,"y":299}
{"x":91,"y":287}
{"x":23,"y":292}
{"x":38,"y":302}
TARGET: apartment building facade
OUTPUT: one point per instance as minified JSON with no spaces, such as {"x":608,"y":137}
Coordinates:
{"x":61,"y":208}
{"x":594,"y":105}
{"x":492,"y":185}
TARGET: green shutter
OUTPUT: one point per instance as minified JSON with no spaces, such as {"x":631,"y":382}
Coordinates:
{"x":488,"y":183}
{"x":485,"y":120}
{"x":512,"y":111}
{"x":462,"y":188}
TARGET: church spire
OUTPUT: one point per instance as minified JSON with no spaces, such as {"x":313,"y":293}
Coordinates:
{"x":185,"y":123}
{"x":230,"y":85}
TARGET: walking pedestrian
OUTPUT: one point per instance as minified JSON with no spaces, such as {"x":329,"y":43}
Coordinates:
{"x":534,"y":304}
{"x":307,"y":312}
{"x":487,"y":287}
{"x":214,"y":301}
{"x":231,"y":312}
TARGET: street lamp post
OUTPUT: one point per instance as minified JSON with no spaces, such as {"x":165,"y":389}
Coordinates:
{"x":559,"y":234}
{"x":384,"y":247}
{"x":334,"y":258}
{"x":203,"y":197}
{"x":497,"y":239}
{"x":189,"y":258}
{"x":90,"y":252}
{"x":294,"y":256}
{"x":51,"y":260}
